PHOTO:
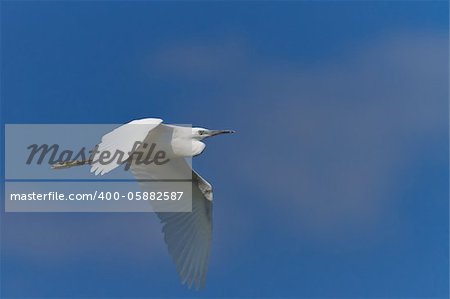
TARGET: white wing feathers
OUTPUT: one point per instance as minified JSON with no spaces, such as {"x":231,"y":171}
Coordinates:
{"x":122,"y":139}
{"x":188,"y":235}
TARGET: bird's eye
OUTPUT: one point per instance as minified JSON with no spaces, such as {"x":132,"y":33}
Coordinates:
{"x":201,"y":132}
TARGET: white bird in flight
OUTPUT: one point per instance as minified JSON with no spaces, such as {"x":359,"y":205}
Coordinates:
{"x":187,"y":234}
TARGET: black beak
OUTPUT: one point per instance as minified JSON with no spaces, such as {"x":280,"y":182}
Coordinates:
{"x":218,"y":132}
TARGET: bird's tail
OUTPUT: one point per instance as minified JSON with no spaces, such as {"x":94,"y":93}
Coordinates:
{"x":68,"y":164}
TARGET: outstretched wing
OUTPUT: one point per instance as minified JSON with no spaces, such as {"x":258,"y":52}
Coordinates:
{"x":122,"y":139}
{"x":188,"y":235}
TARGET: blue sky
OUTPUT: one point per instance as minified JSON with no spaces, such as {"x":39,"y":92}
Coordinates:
{"x":336,"y":184}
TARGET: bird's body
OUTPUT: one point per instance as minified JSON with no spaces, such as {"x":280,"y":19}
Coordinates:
{"x":187,"y":234}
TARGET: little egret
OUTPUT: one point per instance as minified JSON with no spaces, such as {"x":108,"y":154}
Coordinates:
{"x":187,"y":234}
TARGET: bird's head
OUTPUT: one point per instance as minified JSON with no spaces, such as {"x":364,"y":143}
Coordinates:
{"x":202,"y":133}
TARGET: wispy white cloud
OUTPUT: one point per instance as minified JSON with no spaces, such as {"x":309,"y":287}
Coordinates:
{"x":197,"y":60}
{"x":336,"y":139}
